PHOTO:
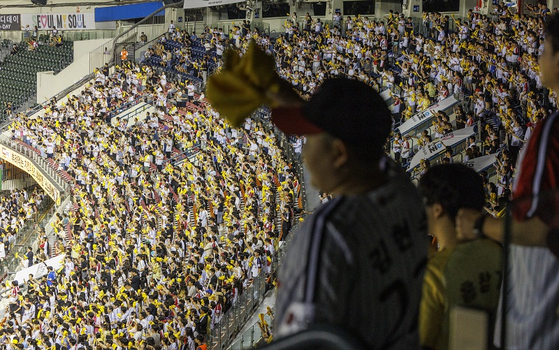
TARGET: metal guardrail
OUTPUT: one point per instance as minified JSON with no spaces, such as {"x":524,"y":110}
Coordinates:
{"x":251,"y":336}
{"x":195,"y":149}
{"x":286,"y":146}
{"x":254,"y":334}
{"x":113,"y":44}
{"x":38,"y":161}
{"x":235,"y":319}
{"x":141,"y":48}
{"x":28,"y":234}
{"x":148,"y":99}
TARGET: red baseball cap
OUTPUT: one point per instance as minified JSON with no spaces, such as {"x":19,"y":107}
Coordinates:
{"x":347,"y":109}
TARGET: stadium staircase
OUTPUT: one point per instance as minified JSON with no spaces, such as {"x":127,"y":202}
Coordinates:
{"x":18,"y":72}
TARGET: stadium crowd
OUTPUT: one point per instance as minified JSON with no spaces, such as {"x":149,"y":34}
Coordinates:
{"x":18,"y":208}
{"x":174,"y":214}
{"x":162,"y":239}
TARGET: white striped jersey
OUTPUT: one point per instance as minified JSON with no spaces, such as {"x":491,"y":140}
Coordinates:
{"x":358,"y":263}
{"x":532,"y":319}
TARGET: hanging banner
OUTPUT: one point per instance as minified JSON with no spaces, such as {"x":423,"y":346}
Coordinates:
{"x":482,"y":163}
{"x":26,"y":165}
{"x":10,"y":22}
{"x":421,"y":118}
{"x":438,"y":146}
{"x":60,"y":21}
{"x":192,"y":4}
{"x":39,"y":270}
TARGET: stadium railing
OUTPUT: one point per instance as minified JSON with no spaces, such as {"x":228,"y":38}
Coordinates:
{"x":133,"y":32}
{"x":235,"y":318}
{"x":287,"y":147}
{"x":25,"y":237}
{"x":252,"y":337}
{"x":46,"y":168}
{"x":140,"y":49}
{"x":192,"y":151}
{"x":132,"y":112}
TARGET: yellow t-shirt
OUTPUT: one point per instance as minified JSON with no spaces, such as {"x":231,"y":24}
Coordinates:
{"x":468,"y":275}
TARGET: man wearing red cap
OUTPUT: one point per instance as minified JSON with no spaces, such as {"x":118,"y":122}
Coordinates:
{"x":357,"y":263}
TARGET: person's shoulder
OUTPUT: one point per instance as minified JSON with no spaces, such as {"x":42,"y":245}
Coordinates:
{"x":437,"y":261}
{"x":478,"y":246}
{"x":479,"y":253}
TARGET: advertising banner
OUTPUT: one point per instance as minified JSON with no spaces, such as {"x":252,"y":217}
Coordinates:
{"x":62,"y":21}
{"x":10,"y":22}
{"x":438,"y":146}
{"x":26,"y":165}
{"x":481,"y":163}
{"x":39,"y":270}
{"x":421,"y":118}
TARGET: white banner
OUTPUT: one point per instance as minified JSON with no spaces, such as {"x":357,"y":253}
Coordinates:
{"x":62,"y":21}
{"x":39,"y":270}
{"x":482,"y":163}
{"x":386,"y":95}
{"x":192,"y":4}
{"x":422,"y":117}
{"x":426,"y":152}
{"x":438,"y":146}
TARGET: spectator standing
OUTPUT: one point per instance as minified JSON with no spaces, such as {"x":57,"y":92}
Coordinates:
{"x":356,"y":263}
{"x":143,"y":38}
{"x":171,"y":28}
{"x":50,"y":145}
{"x":458,"y":274}
{"x":124,"y":55}
{"x":2,"y":250}
{"x":30,"y":256}
{"x":531,"y":313}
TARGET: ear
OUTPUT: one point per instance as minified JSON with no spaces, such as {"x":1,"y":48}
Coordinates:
{"x":438,"y":210}
{"x":340,"y":153}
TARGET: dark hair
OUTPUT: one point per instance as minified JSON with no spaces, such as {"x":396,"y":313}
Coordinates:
{"x":453,"y":186}
{"x":552,"y":31}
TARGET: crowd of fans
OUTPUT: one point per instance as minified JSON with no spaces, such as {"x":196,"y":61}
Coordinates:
{"x":157,"y":250}
{"x":489,"y":63}
{"x":17,"y":207}
{"x":162,"y":239}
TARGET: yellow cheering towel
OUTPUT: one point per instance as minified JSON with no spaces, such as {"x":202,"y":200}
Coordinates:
{"x":243,"y":84}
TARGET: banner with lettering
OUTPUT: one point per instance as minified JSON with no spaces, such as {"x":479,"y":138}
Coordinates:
{"x":192,"y":4}
{"x":62,"y":21}
{"x":438,"y":146}
{"x":10,"y":22}
{"x":39,"y":270}
{"x":421,"y":118}
{"x":26,"y":165}
{"x":481,"y":163}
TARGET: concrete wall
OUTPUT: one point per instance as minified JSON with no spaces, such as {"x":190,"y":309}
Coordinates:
{"x":17,"y":184}
{"x":49,"y":84}
{"x":83,"y":47}
{"x":382,"y":8}
{"x":150,"y":30}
